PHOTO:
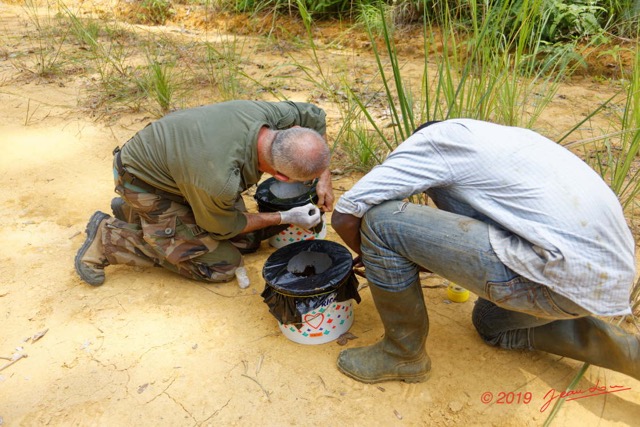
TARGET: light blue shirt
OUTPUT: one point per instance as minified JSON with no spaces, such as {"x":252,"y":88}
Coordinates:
{"x":562,"y":226}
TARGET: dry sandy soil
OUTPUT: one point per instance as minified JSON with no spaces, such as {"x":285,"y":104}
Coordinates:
{"x":151,"y":348}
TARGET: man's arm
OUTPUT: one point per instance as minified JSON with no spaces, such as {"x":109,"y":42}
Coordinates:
{"x":348,"y":228}
{"x":305,"y":217}
{"x":310,"y":116}
{"x":257,"y":221}
{"x":324,"y":190}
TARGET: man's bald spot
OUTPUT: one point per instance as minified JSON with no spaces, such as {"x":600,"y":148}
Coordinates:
{"x":300,"y":153}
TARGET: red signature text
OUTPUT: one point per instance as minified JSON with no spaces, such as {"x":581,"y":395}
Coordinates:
{"x":595,"y":390}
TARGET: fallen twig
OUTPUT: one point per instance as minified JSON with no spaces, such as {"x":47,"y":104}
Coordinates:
{"x":39,"y":335}
{"x":266,"y":393}
{"x":259,"y":365}
{"x":433,"y":286}
{"x":14,"y":360}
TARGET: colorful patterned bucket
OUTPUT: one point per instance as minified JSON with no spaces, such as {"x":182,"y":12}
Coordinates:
{"x":322,"y":324}
{"x":296,"y":234}
{"x":310,"y":289}
{"x":273,"y":196}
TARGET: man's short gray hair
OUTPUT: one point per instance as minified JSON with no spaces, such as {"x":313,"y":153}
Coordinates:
{"x":300,"y":153}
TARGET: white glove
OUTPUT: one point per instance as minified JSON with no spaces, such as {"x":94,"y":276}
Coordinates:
{"x":306,"y":216}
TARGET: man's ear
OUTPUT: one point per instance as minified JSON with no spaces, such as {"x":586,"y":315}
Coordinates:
{"x":281,"y":177}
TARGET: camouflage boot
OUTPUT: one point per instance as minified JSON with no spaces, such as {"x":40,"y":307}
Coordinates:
{"x":123,"y":211}
{"x":90,"y":260}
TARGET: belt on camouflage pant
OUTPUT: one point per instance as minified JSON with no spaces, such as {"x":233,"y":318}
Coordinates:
{"x":128,"y":178}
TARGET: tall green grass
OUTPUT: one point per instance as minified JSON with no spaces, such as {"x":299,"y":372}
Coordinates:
{"x":108,"y":53}
{"x":493,"y":70}
{"x":622,"y":168}
{"x":223,"y":65}
{"x":48,"y":36}
{"x":150,"y":70}
{"x":159,"y":84}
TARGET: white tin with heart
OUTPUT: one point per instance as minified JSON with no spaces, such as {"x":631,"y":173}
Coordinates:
{"x":310,"y":289}
{"x":322,"y":324}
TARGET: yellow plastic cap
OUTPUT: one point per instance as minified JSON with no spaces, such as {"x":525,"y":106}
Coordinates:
{"x":457,"y":293}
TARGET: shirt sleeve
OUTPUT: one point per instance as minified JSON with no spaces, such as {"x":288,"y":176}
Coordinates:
{"x":310,"y":116}
{"x":218,"y":215}
{"x":414,"y":167}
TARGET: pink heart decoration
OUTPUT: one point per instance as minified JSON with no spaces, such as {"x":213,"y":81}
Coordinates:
{"x":314,"y":320}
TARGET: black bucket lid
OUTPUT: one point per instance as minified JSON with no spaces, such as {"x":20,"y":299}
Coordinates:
{"x":270,"y":199}
{"x":307,"y":268}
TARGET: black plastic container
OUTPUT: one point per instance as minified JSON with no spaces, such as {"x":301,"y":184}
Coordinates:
{"x":303,"y":275}
{"x":275,"y":196}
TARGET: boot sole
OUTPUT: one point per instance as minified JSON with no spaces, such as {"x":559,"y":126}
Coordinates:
{"x":411,"y":380}
{"x":91,"y":231}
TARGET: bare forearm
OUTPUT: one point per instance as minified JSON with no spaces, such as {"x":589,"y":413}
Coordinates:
{"x":348,"y":228}
{"x":324,"y":190}
{"x":257,"y":221}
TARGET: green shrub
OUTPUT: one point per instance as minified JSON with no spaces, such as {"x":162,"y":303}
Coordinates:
{"x":154,"y":11}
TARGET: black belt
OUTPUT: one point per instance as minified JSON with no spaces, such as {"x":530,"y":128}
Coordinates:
{"x":133,"y":180}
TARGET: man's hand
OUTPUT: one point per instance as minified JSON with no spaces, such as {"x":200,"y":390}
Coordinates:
{"x":358,"y":267}
{"x":324,"y":190}
{"x":306,"y":216}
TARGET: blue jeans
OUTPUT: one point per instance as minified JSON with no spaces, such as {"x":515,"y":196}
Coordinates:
{"x":453,"y":242}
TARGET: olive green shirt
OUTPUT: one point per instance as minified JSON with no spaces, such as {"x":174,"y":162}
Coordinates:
{"x":209,"y":155}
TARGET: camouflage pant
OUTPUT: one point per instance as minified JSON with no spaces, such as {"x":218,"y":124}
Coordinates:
{"x":167,"y":235}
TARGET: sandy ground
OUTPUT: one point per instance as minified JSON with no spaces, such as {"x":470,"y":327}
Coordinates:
{"x":151,"y":348}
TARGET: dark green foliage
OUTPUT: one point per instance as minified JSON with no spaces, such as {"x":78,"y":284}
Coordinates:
{"x":560,"y":20}
{"x":154,"y":11}
{"x":318,"y":8}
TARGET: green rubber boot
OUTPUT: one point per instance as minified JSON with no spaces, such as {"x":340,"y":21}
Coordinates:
{"x":401,"y":355}
{"x":591,"y":340}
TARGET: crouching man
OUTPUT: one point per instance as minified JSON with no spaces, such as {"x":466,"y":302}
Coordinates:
{"x":520,"y":221}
